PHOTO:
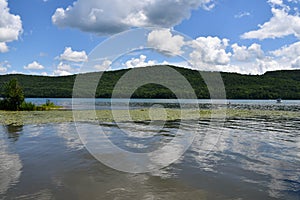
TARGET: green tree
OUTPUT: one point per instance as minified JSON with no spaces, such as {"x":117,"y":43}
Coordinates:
{"x":13,"y":95}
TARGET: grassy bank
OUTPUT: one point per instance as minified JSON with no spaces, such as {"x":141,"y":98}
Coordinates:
{"x":58,"y":116}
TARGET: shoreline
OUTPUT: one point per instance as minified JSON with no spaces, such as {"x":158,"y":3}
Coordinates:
{"x":19,"y":118}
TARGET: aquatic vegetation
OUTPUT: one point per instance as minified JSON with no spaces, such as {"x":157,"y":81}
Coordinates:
{"x":57,"y":116}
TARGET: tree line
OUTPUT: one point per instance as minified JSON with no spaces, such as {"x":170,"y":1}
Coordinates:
{"x":271,"y":85}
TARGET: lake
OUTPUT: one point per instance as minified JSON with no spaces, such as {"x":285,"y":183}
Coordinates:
{"x":105,"y":104}
{"x":254,"y":158}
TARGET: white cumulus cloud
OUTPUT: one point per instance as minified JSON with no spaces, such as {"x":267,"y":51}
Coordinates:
{"x":10,"y":26}
{"x":164,"y":41}
{"x":139,"y":62}
{"x":210,"y":51}
{"x":276,"y":2}
{"x":280,"y":25}
{"x":296,"y":63}
{"x":288,"y":56}
{"x":64,"y":69}
{"x":34,"y":66}
{"x":113,"y":16}
{"x":3,"y":47}
{"x":106,"y":64}
{"x":73,"y":56}
{"x":216,"y":54}
{"x":291,"y":51}
{"x":269,"y":64}
{"x":243,"y":53}
{"x":61,"y":73}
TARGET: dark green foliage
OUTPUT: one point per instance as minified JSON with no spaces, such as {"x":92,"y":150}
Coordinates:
{"x":13,"y":99}
{"x":48,"y":106}
{"x":272,"y":85}
{"x":13,"y":95}
{"x":28,"y":106}
{"x":49,"y":103}
{"x":42,"y":86}
{"x":2,"y":104}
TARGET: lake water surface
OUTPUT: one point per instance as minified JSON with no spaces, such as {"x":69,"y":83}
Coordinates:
{"x":105,"y":104}
{"x":255,"y":158}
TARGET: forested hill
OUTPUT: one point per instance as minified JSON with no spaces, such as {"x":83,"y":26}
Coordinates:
{"x":272,"y":85}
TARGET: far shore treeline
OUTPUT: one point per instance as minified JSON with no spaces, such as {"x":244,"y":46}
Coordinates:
{"x":271,"y":85}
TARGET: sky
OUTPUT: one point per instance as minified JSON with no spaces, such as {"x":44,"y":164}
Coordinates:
{"x":54,"y":37}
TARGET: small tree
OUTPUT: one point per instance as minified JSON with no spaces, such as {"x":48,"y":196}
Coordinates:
{"x":13,"y":95}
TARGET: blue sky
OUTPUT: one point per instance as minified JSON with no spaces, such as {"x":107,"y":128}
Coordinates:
{"x":54,"y":37}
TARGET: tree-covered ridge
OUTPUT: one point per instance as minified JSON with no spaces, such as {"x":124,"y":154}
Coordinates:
{"x":272,"y":85}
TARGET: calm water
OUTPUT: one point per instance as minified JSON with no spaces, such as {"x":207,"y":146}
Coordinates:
{"x":254,"y":158}
{"x":104,"y":104}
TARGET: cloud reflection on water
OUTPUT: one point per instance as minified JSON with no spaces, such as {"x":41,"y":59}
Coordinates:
{"x":252,"y":150}
{"x":11,"y":165}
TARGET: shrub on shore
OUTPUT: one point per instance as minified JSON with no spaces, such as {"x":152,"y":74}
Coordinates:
{"x":28,"y":106}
